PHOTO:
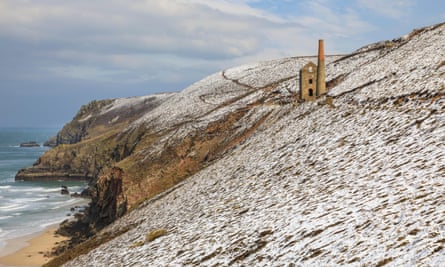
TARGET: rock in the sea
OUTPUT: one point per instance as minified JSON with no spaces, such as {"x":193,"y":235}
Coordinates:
{"x":75,"y":195}
{"x":64,"y":190}
{"x":87,"y":192}
{"x":29,"y":144}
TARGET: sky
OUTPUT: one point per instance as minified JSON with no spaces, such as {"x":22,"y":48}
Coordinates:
{"x":56,"y":55}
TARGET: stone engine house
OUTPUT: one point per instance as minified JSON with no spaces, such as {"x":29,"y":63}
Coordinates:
{"x":313,"y":77}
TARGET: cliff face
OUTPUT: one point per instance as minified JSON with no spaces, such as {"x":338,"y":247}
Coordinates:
{"x":355,"y":178}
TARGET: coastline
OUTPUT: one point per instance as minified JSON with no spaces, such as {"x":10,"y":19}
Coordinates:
{"x":30,"y":250}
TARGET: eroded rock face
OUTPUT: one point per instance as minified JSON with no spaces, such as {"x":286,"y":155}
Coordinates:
{"x":79,"y":127}
{"x":108,"y":201}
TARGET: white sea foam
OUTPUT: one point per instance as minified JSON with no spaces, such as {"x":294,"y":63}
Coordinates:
{"x":31,"y":190}
{"x":26,"y":200}
{"x":56,"y":207}
{"x":66,"y":203}
{"x":35,"y":199}
{"x":52,"y":222}
{"x":12,"y":207}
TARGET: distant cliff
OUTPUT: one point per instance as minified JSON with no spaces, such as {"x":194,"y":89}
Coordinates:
{"x":352,"y":178}
{"x":92,"y":141}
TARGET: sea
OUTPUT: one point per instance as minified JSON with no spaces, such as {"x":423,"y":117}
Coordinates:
{"x":30,"y":207}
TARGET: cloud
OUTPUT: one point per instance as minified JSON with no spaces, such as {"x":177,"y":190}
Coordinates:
{"x":147,"y":41}
{"x":334,"y":22}
{"x":113,"y":36}
{"x":394,"y":9}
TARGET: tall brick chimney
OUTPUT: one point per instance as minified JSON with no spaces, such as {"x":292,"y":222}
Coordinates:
{"x":321,"y":70}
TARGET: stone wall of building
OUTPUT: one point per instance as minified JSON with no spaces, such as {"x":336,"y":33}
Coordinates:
{"x":308,"y":82}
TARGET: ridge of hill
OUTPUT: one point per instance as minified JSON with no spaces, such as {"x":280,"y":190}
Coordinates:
{"x":354,"y":178}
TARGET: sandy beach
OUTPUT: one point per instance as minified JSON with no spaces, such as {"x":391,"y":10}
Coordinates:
{"x":29,"y":250}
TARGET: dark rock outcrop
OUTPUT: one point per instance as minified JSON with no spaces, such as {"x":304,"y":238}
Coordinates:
{"x":51,"y":142}
{"x":108,"y":202}
{"x":64,"y":190}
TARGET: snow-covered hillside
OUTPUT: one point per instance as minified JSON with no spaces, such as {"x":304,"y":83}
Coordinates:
{"x":356,"y":178}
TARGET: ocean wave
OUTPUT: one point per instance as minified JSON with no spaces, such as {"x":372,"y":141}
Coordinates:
{"x":53,"y":222}
{"x":5,"y":186}
{"x":68,"y":203}
{"x":4,"y":218}
{"x":61,"y":204}
{"x":35,"y":199}
{"x":28,"y":190}
{"x":17,"y":233}
{"x":12,"y":207}
{"x":26,"y":200}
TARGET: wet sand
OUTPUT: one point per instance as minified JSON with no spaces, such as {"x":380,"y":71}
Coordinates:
{"x":29,"y":250}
